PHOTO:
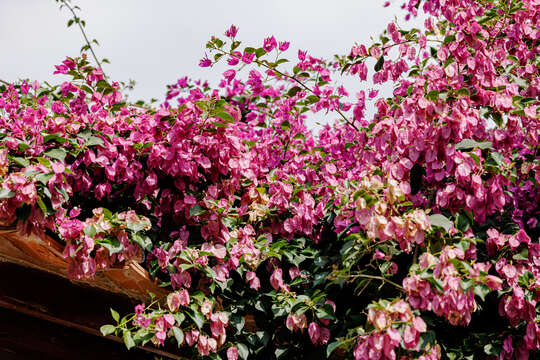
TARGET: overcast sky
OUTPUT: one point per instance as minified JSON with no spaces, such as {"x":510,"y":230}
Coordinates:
{"x":157,"y":41}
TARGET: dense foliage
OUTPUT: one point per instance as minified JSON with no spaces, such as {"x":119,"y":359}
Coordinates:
{"x":409,"y":234}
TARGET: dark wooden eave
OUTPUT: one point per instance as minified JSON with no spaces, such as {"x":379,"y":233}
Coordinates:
{"x":43,"y":312}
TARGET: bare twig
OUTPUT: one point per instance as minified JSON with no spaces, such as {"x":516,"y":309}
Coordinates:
{"x":375,"y":277}
{"x":78,"y":21}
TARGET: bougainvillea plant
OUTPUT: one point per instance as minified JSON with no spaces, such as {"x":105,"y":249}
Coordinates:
{"x":412,"y":233}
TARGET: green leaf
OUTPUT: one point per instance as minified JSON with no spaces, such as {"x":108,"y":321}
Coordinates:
{"x":43,"y":161}
{"x":326,"y":312}
{"x":22,"y":162}
{"x":481,"y":291}
{"x":489,"y":349}
{"x":464,"y":92}
{"x":449,"y":39}
{"x":225,"y":116}
{"x":260,"y":52}
{"x":468,"y":144}
{"x":495,"y":159}
{"x":311,"y":99}
{"x":53,"y":137}
{"x":331,"y":347}
{"x":238,"y":322}
{"x":379,"y":64}
{"x":196,"y":210}
{"x":384,"y":267}
{"x":178,"y":335}
{"x":179,"y":317}
{"x":87,"y":88}
{"x":94,"y":140}
{"x":433,"y":95}
{"x":441,"y":221}
{"x":142,"y":336}
{"x":103,"y":84}
{"x":42,"y":206}
{"x":58,"y":154}
{"x":463,"y":245}
{"x":280,"y":352}
{"x":228,"y":221}
{"x":112,"y":244}
{"x":497,"y":118}
{"x":135,"y":226}
{"x":462,"y":222}
{"x":6,"y":194}
{"x":466,"y":284}
{"x":128,"y":340}
{"x":243,"y":350}
{"x":197,"y":317}
{"x":107,"y":329}
{"x":526,"y":279}
{"x":435,"y":282}
{"x":522,"y":255}
{"x":143,"y":241}
{"x":115,"y":315}
{"x":90,"y":230}
{"x":427,"y":338}
{"x":85,"y":134}
{"x":293,"y":91}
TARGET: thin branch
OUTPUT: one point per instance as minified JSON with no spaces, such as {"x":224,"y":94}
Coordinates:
{"x":260,"y":63}
{"x":78,"y":21}
{"x":366,"y":276}
{"x":4,"y":82}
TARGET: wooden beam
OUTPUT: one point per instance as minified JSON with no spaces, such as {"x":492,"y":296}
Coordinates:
{"x":56,"y":300}
{"x":24,"y":337}
{"x":45,"y":253}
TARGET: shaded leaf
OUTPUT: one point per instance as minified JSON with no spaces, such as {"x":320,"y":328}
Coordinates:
{"x":178,"y":335}
{"x":379,"y":64}
{"x":225,"y":116}
{"x":128,"y":339}
{"x":331,"y":347}
{"x":196,"y":210}
{"x":58,"y":154}
{"x":6,"y":194}
{"x":441,"y":221}
{"x":242,"y":350}
{"x":115,"y":315}
{"x":22,"y":162}
{"x":107,"y":329}
{"x":481,"y":291}
{"x":468,"y":144}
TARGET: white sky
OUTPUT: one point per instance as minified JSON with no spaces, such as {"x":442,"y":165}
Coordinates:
{"x":157,"y":41}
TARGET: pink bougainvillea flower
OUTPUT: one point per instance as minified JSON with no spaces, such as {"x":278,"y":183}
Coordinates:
{"x":205,"y":62}
{"x":232,"y":353}
{"x":231,"y":32}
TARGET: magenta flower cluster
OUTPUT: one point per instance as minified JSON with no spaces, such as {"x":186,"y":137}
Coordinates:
{"x":386,"y":236}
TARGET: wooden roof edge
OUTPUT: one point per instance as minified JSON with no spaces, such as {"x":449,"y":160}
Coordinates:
{"x":54,"y":299}
{"x":45,"y":253}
